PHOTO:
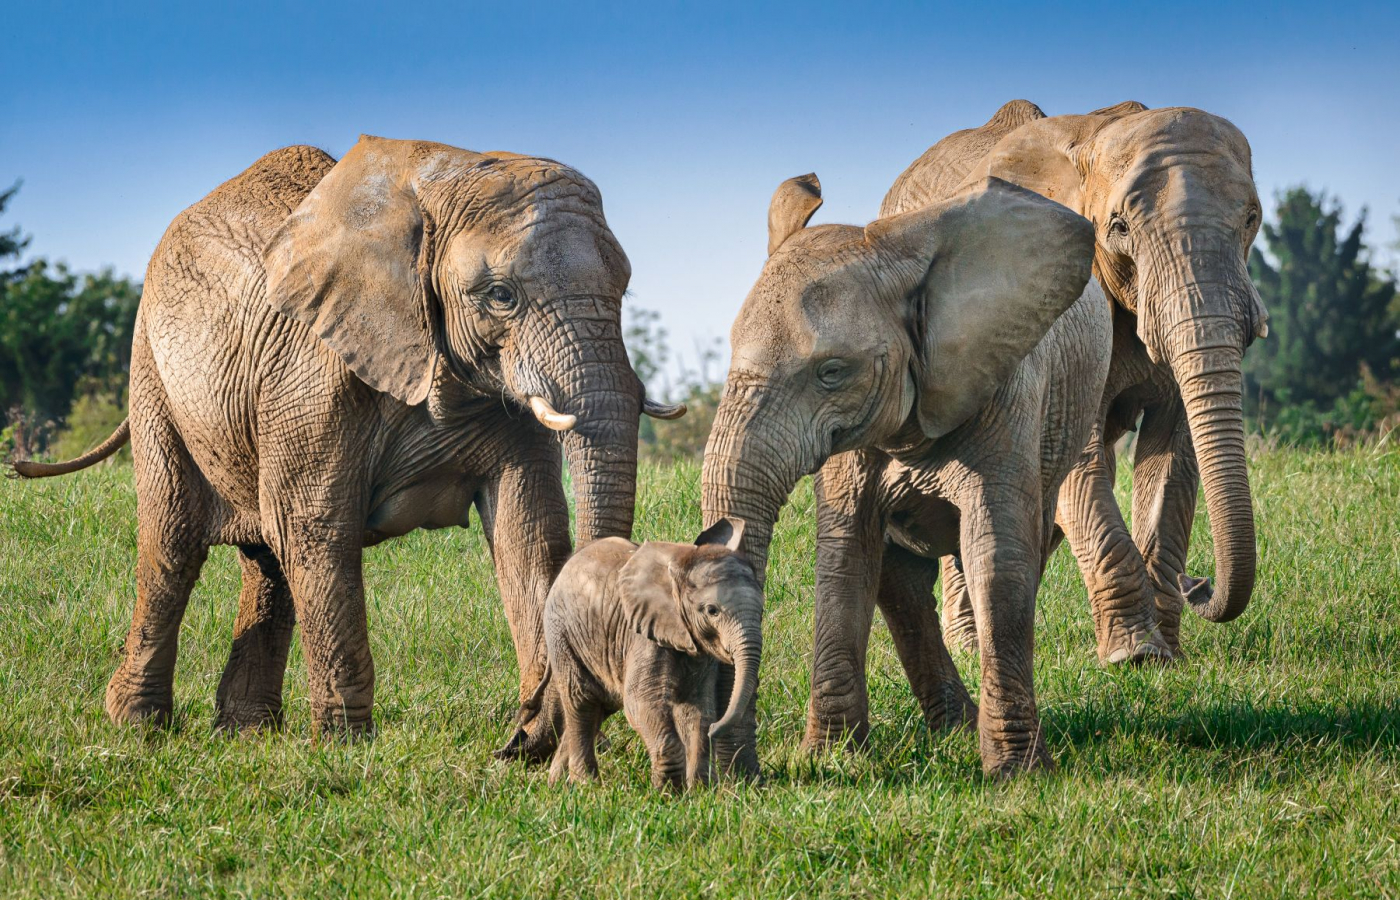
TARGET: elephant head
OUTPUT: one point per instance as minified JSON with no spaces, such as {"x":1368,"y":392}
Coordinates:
{"x":1172,"y":199}
{"x":417,"y":262}
{"x":700,"y":599}
{"x":894,"y":333}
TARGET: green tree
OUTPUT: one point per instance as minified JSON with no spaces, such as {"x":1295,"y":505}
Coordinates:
{"x":1331,"y":318}
{"x":62,"y":335}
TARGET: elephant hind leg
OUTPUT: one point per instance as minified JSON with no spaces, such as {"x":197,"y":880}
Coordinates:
{"x":250,"y":691}
{"x":576,"y":756}
{"x":906,"y":602}
{"x":174,"y":524}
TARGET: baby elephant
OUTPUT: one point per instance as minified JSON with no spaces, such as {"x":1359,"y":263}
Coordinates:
{"x":643,"y":629}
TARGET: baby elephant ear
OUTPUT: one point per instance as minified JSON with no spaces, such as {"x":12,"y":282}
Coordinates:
{"x":650,"y":594}
{"x":791,"y":208}
{"x":729,"y":532}
{"x":346,"y":263}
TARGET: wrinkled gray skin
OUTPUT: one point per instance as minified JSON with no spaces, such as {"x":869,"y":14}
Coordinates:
{"x":1172,"y":199}
{"x":642,"y":629}
{"x":938,"y":370}
{"x":328,"y":355}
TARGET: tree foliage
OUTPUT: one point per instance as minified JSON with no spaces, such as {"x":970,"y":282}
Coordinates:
{"x":63,"y":336}
{"x":1333,"y":349}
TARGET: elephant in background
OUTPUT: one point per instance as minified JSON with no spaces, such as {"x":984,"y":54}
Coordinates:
{"x":330,"y":354}
{"x":1172,"y":198}
{"x":939,"y":371}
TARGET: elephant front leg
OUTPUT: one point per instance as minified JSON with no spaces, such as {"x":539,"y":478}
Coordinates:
{"x":1125,"y":619}
{"x":906,"y":602}
{"x":1165,"y":479}
{"x":322,"y":562}
{"x":526,"y":520}
{"x":1001,"y":553}
{"x":250,"y":691}
{"x":850,"y":543}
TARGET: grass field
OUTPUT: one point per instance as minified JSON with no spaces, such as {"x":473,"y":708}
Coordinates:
{"x":1265,"y":765}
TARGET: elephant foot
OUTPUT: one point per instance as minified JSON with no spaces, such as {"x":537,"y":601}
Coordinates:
{"x":851,"y":733}
{"x":342,"y":728}
{"x":953,"y":713}
{"x":240,"y":718}
{"x":130,"y":705}
{"x":531,"y":746}
{"x":1009,"y":758}
{"x":1136,"y":648}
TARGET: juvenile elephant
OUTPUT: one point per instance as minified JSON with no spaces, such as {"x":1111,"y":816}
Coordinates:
{"x":641,"y":629}
{"x":1172,"y":199}
{"x":938,"y":370}
{"x":330,"y":354}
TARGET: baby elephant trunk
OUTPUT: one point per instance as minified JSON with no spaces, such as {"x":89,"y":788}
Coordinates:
{"x":746,"y":647}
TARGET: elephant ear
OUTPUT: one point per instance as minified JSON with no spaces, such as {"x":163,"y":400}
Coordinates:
{"x":649,"y":588}
{"x":347,"y":263}
{"x":995,"y":267}
{"x":792,"y":207}
{"x":1044,"y":156}
{"x":725,"y":532}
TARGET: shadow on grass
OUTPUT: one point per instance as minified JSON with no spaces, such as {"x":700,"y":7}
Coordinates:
{"x":1240,"y":725}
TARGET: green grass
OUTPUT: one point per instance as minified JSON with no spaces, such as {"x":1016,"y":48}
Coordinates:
{"x":1265,"y":765}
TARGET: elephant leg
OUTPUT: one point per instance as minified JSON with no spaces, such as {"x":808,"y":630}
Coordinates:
{"x":1125,"y":619}
{"x":850,"y":545}
{"x":906,"y":602}
{"x":172,"y":544}
{"x":1002,"y":552}
{"x":322,"y":562}
{"x":1165,"y":480}
{"x":250,"y":691}
{"x":576,"y":755}
{"x":693,"y":726}
{"x":960,"y":624}
{"x":526,"y":520}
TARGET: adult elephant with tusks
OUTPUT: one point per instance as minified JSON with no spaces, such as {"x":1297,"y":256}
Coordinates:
{"x":330,"y":354}
{"x":1171,"y":194}
{"x":938,"y":370}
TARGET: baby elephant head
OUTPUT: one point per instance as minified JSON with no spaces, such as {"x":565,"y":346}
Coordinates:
{"x":700,"y":598}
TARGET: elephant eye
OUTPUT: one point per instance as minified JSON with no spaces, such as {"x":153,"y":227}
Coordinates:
{"x":1118,"y":226}
{"x":712,"y":611}
{"x":500,"y":298}
{"x":1251,"y":218}
{"x":831,"y":373}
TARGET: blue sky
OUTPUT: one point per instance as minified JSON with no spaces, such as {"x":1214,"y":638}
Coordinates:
{"x":118,"y":115}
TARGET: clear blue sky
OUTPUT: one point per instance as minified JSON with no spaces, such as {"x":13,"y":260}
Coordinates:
{"x":118,"y":115}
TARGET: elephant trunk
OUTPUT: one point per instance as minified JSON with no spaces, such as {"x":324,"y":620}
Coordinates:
{"x":744,"y":477}
{"x":1205,"y":359}
{"x":600,"y":389}
{"x":745,"y":643}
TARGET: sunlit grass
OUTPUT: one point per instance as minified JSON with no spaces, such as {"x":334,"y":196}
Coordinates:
{"x":1264,"y":765}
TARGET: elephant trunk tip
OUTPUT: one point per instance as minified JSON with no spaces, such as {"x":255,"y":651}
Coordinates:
{"x":1205,"y":602}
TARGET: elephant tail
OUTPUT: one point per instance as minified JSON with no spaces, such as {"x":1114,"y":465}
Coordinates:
{"x":531,"y":706}
{"x":29,"y":469}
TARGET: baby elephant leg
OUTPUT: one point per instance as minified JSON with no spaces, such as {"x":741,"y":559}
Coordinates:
{"x":575,"y":755}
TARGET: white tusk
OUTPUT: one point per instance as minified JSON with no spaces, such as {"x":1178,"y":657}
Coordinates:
{"x":550,"y":417}
{"x":663,"y":410}
{"x":1262,"y":331}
